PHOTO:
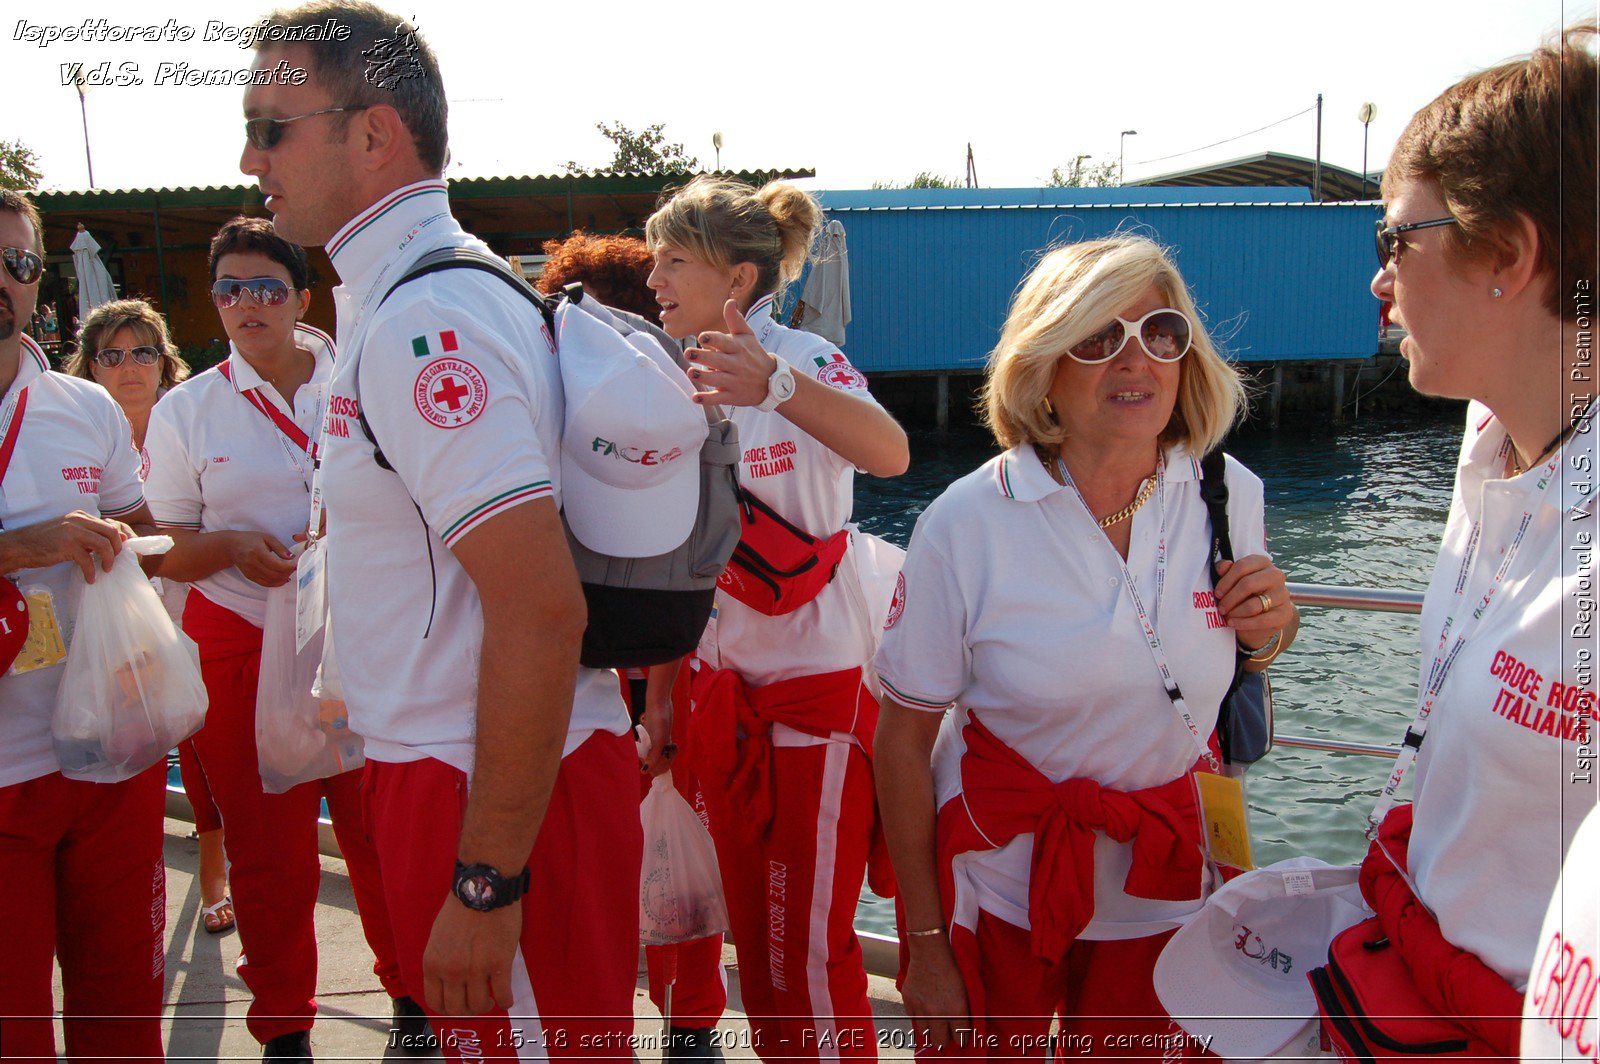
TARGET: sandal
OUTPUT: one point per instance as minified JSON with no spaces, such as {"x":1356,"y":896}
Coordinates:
{"x":219,"y":917}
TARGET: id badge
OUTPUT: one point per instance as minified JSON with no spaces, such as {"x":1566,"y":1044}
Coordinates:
{"x":310,"y":594}
{"x":44,"y":647}
{"x":1222,"y":811}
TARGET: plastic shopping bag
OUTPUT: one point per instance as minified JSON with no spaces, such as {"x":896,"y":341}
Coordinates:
{"x":299,"y":737}
{"x":131,"y":689}
{"x":680,"y":890}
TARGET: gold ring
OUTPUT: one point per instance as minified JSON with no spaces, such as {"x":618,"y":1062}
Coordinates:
{"x":1266,"y":601}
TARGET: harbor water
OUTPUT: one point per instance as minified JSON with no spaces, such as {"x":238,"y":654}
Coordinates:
{"x":1364,"y":505}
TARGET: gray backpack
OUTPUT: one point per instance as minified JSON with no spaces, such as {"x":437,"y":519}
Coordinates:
{"x":642,"y":611}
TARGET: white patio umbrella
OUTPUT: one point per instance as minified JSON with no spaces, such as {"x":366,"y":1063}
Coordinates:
{"x":94,"y":280}
{"x":827,"y":292}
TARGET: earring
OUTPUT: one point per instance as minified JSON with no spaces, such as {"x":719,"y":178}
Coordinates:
{"x":1049,"y":410}
{"x":1496,"y":292}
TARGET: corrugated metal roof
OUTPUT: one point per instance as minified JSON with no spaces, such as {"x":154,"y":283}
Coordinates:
{"x":602,"y":183}
{"x":997,"y":198}
{"x":1274,"y":168}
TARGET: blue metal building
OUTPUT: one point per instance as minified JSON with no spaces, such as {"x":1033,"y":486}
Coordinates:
{"x":1277,"y":277}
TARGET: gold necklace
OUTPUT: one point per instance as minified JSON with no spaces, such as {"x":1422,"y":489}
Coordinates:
{"x":1132,"y":508}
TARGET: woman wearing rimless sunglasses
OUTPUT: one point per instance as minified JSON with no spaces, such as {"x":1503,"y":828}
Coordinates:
{"x":230,"y":476}
{"x":123,"y":347}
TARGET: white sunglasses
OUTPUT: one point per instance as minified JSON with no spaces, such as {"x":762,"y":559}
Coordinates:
{"x":1165,"y":334}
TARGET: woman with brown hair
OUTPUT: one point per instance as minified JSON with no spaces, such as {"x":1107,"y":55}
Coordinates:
{"x":1487,"y":252}
{"x":123,"y":347}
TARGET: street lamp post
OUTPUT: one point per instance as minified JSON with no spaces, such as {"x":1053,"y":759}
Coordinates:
{"x":1367,"y":113}
{"x":1122,"y":149}
{"x":716,"y":146}
{"x":81,"y":82}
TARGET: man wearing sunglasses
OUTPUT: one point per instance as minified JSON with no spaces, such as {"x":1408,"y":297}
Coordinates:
{"x":458,"y":611}
{"x":81,"y":874}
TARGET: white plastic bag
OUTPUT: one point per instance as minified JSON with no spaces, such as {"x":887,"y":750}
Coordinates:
{"x":299,"y":737}
{"x":131,"y":689}
{"x":680,"y":890}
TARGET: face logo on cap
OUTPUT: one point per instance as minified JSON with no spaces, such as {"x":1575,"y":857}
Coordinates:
{"x":646,"y":456}
{"x":450,"y":393}
{"x":1250,"y":944}
{"x":897,"y":605}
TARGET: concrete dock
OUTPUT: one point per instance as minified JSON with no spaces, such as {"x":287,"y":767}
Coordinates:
{"x":206,"y":1000}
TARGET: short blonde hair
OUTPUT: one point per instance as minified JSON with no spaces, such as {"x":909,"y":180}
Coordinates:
{"x":726,"y":222}
{"x":106,"y":320}
{"x":1070,"y":295}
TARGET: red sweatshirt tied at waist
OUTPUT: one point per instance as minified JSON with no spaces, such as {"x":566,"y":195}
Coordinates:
{"x":1454,"y":981}
{"x":730,"y":736}
{"x":1007,"y":796}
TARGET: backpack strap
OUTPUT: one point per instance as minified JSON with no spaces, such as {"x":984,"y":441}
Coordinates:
{"x":452,"y":259}
{"x":1214,"y":491}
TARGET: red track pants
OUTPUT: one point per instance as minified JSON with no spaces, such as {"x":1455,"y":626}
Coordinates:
{"x":1104,"y":993}
{"x":792,"y":905}
{"x":574,"y":974}
{"x":197,"y":790}
{"x":693,"y":969}
{"x":82,"y":879}
{"x":271,"y":839}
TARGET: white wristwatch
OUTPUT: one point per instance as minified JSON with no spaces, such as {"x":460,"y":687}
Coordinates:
{"x":780,"y":386}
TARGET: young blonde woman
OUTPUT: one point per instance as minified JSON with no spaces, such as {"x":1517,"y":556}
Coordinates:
{"x":782,"y":726}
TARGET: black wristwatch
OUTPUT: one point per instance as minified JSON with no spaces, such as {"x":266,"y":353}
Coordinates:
{"x":484,"y":889}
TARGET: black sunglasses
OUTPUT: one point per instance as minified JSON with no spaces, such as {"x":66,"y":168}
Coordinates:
{"x":111,"y":357}
{"x":23,"y":265}
{"x":1389,"y":247}
{"x":264,"y":133}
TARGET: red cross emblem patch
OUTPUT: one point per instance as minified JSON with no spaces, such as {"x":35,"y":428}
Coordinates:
{"x":450,"y":393}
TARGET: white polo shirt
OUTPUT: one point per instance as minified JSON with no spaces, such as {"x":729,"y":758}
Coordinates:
{"x":460,"y":384}
{"x":74,"y":451}
{"x":1506,"y":772}
{"x":1561,"y":1011}
{"x":1012,"y":606}
{"x":217,"y":463}
{"x":811,"y":486}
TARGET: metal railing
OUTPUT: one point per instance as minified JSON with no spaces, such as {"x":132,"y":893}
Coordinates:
{"x":1334,"y":596}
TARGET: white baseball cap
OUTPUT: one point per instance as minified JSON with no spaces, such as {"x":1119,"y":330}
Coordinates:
{"x":630,"y":445}
{"x":1236,"y":972}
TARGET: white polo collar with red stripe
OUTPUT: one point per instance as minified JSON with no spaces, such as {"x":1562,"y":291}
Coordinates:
{"x":374,"y":237}
{"x":308,"y":338}
{"x":30,"y":364}
{"x":1019,"y":474}
{"x":1486,"y":456}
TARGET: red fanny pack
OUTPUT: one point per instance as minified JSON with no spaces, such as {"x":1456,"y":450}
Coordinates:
{"x":777,"y":568}
{"x":1372,"y":1010}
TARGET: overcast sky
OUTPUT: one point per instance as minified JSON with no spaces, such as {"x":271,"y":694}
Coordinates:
{"x":859,"y":91}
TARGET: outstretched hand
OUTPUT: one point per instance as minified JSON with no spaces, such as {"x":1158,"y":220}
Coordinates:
{"x":730,"y":366}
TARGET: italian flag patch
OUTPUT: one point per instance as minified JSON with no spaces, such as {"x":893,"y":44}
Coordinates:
{"x":824,"y":361}
{"x":434,"y":344}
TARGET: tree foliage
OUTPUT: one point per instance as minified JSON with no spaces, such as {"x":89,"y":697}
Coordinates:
{"x":924,"y":179}
{"x":1084,"y":172}
{"x":644,"y":152}
{"x":19,"y":166}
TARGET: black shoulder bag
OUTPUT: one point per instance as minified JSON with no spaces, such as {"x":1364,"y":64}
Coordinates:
{"x":1244,"y":720}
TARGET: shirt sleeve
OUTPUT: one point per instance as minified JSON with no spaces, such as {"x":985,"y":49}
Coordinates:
{"x":1247,"y":520}
{"x":924,"y":660}
{"x":456,"y":407}
{"x":173,"y":485}
{"x":121,"y":490}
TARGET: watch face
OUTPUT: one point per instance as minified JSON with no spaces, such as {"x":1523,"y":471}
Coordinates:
{"x":783,"y":385}
{"x":475,"y":891}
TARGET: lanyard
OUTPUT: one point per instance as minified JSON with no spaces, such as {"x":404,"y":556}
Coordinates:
{"x":291,"y":433}
{"x":1444,"y":660}
{"x":10,"y":429}
{"x":1169,"y":682}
